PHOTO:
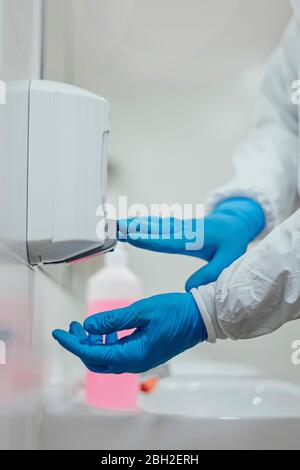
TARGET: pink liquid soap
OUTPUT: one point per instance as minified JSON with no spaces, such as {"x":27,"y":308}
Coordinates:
{"x":110,"y":391}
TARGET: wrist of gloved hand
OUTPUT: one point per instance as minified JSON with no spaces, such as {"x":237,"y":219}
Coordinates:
{"x":247,"y":212}
{"x":228,"y":230}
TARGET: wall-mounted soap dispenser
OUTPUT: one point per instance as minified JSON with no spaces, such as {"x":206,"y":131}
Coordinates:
{"x":68,"y":129}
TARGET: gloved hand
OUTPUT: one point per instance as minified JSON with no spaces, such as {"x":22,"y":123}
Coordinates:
{"x":165,"y":325}
{"x":228,"y":230}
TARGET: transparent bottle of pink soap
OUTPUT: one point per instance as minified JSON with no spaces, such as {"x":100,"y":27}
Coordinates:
{"x":114,"y":286}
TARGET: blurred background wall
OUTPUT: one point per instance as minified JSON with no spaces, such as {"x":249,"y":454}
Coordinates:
{"x":182,"y":78}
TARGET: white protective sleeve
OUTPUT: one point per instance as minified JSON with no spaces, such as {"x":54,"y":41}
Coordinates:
{"x":266,"y":164}
{"x":259,"y":292}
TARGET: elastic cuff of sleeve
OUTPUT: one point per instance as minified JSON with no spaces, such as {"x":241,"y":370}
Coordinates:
{"x":202,"y":306}
{"x":257,"y":195}
{"x":204,"y":297}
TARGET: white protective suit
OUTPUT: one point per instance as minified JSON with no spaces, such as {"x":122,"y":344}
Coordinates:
{"x":261,"y":291}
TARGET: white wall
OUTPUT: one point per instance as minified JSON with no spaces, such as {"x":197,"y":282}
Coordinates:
{"x":182,"y":79}
{"x":21,"y":33}
{"x":31,"y":304}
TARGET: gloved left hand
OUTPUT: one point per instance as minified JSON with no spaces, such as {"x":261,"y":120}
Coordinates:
{"x":165,"y":325}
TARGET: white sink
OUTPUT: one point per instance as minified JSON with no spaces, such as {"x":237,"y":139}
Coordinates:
{"x":224,"y":397}
{"x":187,"y":412}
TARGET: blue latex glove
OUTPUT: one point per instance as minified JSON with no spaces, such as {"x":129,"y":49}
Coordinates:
{"x":228,"y":230}
{"x":166,"y":325}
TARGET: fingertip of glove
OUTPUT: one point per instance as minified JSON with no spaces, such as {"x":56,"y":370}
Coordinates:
{"x":88,"y":326}
{"x":56,"y":334}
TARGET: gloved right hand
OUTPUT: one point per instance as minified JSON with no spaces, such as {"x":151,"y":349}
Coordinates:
{"x":228,"y":230}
